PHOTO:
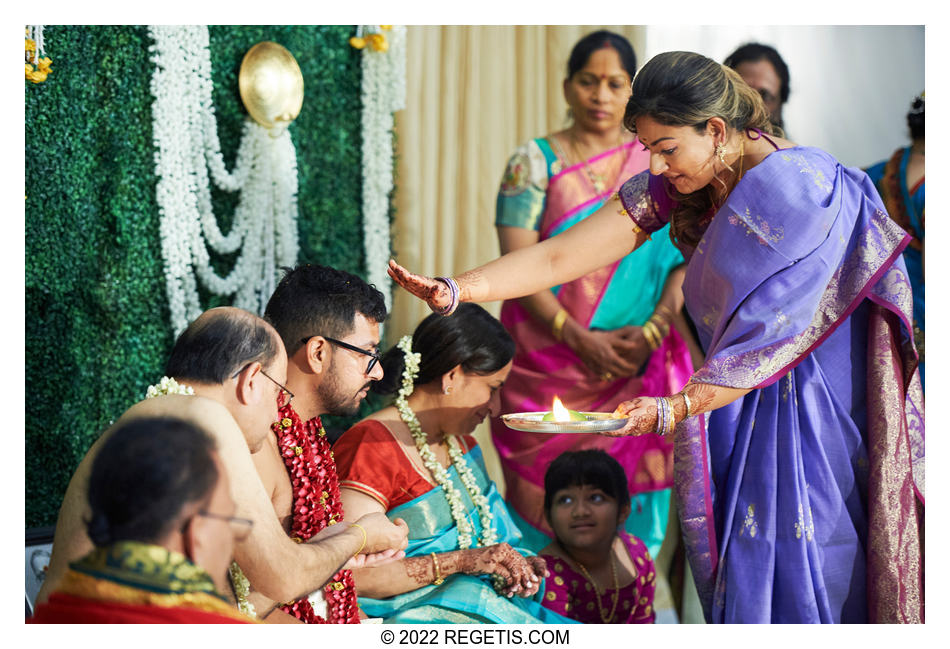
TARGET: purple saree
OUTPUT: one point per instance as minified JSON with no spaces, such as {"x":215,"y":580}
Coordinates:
{"x":802,"y":501}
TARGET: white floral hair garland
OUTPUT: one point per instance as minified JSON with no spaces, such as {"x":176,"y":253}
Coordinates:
{"x":383,"y":93}
{"x":264,"y":227}
{"x":242,"y":587}
{"x":452,"y":495}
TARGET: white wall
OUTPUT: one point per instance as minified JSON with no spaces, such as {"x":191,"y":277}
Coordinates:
{"x":851,"y":86}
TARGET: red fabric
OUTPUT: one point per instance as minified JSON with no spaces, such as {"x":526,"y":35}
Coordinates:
{"x":306,"y":453}
{"x":69,"y":609}
{"x":368,"y":460}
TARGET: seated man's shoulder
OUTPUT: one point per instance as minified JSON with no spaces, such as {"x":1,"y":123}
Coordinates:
{"x":208,"y":414}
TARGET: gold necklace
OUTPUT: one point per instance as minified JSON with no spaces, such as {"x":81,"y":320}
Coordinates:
{"x":607,"y":619}
{"x":597,"y":181}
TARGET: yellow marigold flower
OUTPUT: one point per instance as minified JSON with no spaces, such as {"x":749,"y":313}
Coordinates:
{"x":44,"y":64}
{"x":37,"y":76}
{"x":357,"y":42}
{"x":29,"y":69}
{"x":378,"y":42}
{"x":30,"y":45}
{"x":386,"y":27}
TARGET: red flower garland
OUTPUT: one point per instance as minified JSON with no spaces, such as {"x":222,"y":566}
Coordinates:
{"x":316,"y":504}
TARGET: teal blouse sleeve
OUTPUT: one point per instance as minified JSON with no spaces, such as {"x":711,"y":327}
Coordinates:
{"x":522,"y":194}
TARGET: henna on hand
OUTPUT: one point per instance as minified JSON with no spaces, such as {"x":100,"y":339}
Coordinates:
{"x":467,"y":279}
{"x":420,"y":570}
{"x":424,"y":288}
{"x":701,"y":396}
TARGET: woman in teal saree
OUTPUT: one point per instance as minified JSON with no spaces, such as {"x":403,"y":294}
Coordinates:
{"x":417,"y":460}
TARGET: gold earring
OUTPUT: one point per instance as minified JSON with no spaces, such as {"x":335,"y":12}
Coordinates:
{"x":721,"y":152}
{"x":448,"y":389}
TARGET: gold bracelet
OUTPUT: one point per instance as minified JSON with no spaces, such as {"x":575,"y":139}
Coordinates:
{"x":662,"y":326}
{"x":557,"y":324}
{"x":651,"y":334}
{"x":689,"y":406}
{"x":671,"y":422}
{"x":668,"y":310}
{"x":438,"y":573}
{"x":363,"y":544}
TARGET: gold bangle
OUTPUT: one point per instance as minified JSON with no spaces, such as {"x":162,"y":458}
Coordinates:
{"x":363,"y":544}
{"x":668,"y":310}
{"x":557,"y":324}
{"x":652,"y":335}
{"x":671,"y":422}
{"x":438,"y":573}
{"x":689,"y":406}
{"x":660,"y":321}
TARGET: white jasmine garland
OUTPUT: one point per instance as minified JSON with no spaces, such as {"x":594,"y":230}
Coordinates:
{"x":452,"y":495}
{"x":383,"y":93}
{"x":264,"y":228}
{"x":168,"y":385}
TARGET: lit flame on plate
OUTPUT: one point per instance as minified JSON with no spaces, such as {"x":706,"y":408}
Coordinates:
{"x":559,"y":411}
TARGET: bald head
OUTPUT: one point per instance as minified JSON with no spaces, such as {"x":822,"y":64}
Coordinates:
{"x":219,"y":343}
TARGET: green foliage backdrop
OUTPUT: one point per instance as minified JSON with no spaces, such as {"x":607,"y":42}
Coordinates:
{"x":97,"y":331}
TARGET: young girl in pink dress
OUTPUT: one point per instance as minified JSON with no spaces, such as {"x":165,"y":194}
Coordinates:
{"x":600,"y":574}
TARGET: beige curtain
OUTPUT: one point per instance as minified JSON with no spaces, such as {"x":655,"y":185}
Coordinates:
{"x":473,"y":95}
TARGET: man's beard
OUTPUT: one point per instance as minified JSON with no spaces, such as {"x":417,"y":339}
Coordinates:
{"x":336,"y":401}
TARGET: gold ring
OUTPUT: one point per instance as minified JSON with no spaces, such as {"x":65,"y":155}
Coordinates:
{"x":607,"y":376}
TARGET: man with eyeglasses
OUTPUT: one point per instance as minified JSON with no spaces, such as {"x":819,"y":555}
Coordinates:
{"x":163,"y":524}
{"x":329,"y":322}
{"x":233,"y":365}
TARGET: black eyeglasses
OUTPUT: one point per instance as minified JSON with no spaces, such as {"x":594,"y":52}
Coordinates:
{"x":373,"y":356}
{"x":240,"y":527}
{"x":288,"y":395}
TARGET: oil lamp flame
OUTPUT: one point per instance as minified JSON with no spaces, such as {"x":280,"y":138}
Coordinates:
{"x":559,"y":411}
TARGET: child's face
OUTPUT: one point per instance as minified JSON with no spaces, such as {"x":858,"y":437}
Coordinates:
{"x":583,"y":516}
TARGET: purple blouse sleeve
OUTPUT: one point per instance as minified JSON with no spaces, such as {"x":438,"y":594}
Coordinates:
{"x":645,"y":202}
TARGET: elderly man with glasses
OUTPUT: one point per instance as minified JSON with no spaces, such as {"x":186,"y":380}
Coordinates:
{"x":329,"y":323}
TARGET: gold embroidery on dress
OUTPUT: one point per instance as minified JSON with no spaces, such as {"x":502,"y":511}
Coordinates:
{"x":757,"y":226}
{"x":805,"y":167}
{"x":749,"y":523}
{"x":801,"y":527}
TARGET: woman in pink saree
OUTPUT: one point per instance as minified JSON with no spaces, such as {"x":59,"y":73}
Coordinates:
{"x":582,"y":341}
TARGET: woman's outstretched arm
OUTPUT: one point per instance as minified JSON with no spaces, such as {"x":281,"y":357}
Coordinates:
{"x":601,"y":239}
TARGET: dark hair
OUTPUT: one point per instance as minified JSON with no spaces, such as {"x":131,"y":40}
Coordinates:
{"x":219,"y":343}
{"x":599,"y":40}
{"x":143,"y":477}
{"x":688,"y":89}
{"x":470,"y":337}
{"x":754,"y":52}
{"x":915,"y":118}
{"x":589,"y":467}
{"x":320,"y":301}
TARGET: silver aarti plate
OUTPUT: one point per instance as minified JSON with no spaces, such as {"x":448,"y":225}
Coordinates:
{"x":596,"y":422}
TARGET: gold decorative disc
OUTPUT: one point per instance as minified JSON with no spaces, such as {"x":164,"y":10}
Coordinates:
{"x":271,"y":84}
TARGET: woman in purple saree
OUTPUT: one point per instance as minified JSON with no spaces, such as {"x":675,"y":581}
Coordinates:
{"x":800,"y":498}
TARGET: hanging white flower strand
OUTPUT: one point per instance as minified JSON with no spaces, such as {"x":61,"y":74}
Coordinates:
{"x":452,"y":495}
{"x":383,"y":93}
{"x":264,"y":228}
